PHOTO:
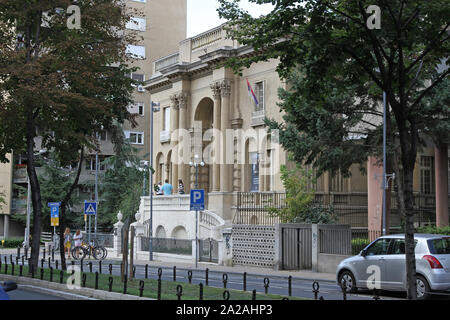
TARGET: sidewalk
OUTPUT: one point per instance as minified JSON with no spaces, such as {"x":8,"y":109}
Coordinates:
{"x":201,"y":266}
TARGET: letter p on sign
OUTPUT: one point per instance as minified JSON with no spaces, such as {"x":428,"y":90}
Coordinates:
{"x":197,"y":200}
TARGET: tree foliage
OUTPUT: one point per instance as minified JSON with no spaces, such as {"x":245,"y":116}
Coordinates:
{"x":338,"y":66}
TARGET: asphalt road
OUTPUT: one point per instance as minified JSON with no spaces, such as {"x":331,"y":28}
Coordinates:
{"x":24,"y":294}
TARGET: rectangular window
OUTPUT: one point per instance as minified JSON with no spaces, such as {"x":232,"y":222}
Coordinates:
{"x":135,"y":137}
{"x":136,"y":52}
{"x":136,"y":108}
{"x":427,"y":174}
{"x":166,"y":124}
{"x":136,"y":23}
{"x":259,"y":92}
{"x":90,"y":164}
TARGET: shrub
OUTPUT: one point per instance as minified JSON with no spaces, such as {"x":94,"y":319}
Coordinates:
{"x":434,"y":230}
{"x":12,"y":243}
{"x":359,"y":244}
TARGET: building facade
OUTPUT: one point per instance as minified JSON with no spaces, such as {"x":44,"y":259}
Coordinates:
{"x":206,"y":115}
{"x":161,"y":24}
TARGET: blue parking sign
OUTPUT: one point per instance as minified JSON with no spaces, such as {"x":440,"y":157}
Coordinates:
{"x":197,"y":200}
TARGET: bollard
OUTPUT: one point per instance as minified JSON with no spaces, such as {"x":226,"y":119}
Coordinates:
{"x":110,"y":269}
{"x":376,"y":295}
{"x":100,"y":267}
{"x":159,"y":273}
{"x":26,"y":252}
{"x":43,"y":257}
{"x":56,"y":264}
{"x":141,"y":288}
{"x":179,"y":291}
{"x":10,"y":258}
{"x":315,"y":289}
{"x":290,"y":286}
{"x":226,"y":295}
{"x":321,"y":298}
{"x":254,"y":295}
{"x":17,"y":260}
{"x":42,"y":274}
{"x":190,"y":276}
{"x":53,"y":254}
{"x":96,"y":280}
{"x":49,"y":262}
{"x":90,"y":266}
{"x":134,"y":271}
{"x":83,"y":280}
{"x":174,"y":273}
{"x":81,"y":265}
{"x":6,"y":268}
{"x":51,"y":274}
{"x":201,"y":291}
{"x":344,"y":289}
{"x":159,"y":289}
{"x":12,"y":268}
{"x":146,"y":271}
{"x":20,"y":270}
{"x":125,"y":284}
{"x":110,"y":283}
{"x":61,"y":276}
{"x":225,"y":280}
{"x":23,"y":260}
{"x":42,"y":263}
{"x":244,"y":282}
{"x":6,"y":259}
{"x":206,"y":276}
{"x":266,"y":285}
{"x":18,"y":251}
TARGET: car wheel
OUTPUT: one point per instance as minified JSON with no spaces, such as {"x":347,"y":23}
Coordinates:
{"x":346,"y":278}
{"x":423,"y":288}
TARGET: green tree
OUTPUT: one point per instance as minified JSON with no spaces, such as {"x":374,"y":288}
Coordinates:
{"x":64,"y":84}
{"x":338,"y":67}
{"x":301,"y":206}
{"x":122,"y":184}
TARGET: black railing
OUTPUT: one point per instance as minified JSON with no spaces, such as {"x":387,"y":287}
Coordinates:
{"x":350,"y":208}
{"x":167,"y":245}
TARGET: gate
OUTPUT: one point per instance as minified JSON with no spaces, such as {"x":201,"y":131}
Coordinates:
{"x":296,"y":249}
{"x":209,"y":250}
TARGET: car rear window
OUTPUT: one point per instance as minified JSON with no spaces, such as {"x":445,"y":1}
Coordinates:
{"x":439,"y":246}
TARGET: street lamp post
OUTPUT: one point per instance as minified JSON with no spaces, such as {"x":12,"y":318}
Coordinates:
{"x":154,"y":107}
{"x":196,"y":165}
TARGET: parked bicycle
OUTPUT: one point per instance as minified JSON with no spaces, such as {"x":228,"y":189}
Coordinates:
{"x":93,"y":249}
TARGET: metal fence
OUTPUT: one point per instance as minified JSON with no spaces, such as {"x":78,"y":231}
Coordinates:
{"x":167,"y":245}
{"x":209,"y":250}
{"x":349,"y":208}
{"x":335,"y":239}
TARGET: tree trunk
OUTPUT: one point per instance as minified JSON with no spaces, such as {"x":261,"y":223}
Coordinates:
{"x":411,"y":286}
{"x":35,"y":193}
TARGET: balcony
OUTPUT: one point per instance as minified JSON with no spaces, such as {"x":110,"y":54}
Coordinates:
{"x":20,"y":174}
{"x":168,"y":61}
{"x":164,"y":136}
{"x":258,"y":118}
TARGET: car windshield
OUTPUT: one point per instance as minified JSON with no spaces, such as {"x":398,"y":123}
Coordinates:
{"x":439,"y":246}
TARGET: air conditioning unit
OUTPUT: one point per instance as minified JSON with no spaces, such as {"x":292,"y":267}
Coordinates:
{"x":140,"y":88}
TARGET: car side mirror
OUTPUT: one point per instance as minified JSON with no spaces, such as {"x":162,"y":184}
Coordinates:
{"x":363,"y":253}
{"x":9,"y":286}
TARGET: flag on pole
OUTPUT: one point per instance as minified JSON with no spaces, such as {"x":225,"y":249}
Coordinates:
{"x":251,"y":93}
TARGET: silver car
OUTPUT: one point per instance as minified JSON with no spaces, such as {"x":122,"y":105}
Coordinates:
{"x":382,"y":265}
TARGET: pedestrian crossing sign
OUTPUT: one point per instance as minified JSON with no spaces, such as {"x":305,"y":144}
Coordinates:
{"x":90,"y":208}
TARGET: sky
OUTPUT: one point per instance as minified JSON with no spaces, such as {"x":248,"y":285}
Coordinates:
{"x":202,"y":14}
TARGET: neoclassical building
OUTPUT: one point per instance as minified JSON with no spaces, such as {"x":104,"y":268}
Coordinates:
{"x":206,"y":114}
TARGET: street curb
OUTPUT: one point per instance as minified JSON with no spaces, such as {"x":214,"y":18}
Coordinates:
{"x":63,"y":290}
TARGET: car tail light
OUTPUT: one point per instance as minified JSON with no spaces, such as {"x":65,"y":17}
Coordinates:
{"x":434,"y":263}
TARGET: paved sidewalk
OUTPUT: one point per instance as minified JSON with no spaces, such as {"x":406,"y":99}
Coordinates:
{"x":303,"y":275}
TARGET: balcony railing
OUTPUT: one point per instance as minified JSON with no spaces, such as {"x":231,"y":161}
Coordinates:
{"x":165,"y":62}
{"x":208,"y":38}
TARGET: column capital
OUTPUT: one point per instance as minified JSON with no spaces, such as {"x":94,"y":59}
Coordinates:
{"x":215,"y":87}
{"x":174,"y":101}
{"x":225,"y":88}
{"x":182,"y":100}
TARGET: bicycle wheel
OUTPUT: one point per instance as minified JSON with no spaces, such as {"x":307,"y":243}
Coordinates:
{"x":99,"y":253}
{"x":78,"y":253}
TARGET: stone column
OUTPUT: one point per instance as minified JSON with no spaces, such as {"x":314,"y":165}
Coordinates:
{"x":215,"y":87}
{"x":441,"y":173}
{"x":174,"y":122}
{"x":225,"y":166}
{"x":182,"y":169}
